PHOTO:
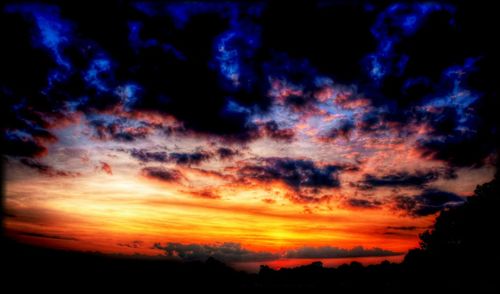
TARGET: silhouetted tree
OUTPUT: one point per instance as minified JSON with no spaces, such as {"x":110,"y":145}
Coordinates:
{"x":462,"y":246}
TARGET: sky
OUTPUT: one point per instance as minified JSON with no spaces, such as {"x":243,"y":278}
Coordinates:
{"x":256,"y":133}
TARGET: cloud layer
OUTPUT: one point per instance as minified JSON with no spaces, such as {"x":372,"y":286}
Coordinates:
{"x":226,"y":252}
{"x":234,"y":252}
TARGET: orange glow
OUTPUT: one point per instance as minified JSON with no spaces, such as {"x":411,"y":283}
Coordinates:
{"x":97,"y":213}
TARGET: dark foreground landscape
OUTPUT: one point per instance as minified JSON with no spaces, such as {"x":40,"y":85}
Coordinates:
{"x":458,"y":255}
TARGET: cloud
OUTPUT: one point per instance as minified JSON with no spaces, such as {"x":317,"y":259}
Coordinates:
{"x":149,"y":156}
{"x":344,"y":129}
{"x":212,"y":174}
{"x":132,"y":244}
{"x":118,"y":130}
{"x":400,"y":179}
{"x":402,"y":228}
{"x":336,"y":252}
{"x":162,"y":174}
{"x":105,"y":167}
{"x":27,"y":113}
{"x":213,"y":105}
{"x":363,"y":203}
{"x":459,"y":150}
{"x":413,"y":72}
{"x":282,"y":32}
{"x":205,"y":193}
{"x":308,"y":196}
{"x":47,"y":169}
{"x":428,"y":202}
{"x":181,"y":158}
{"x":226,"y":153}
{"x":14,"y":145}
{"x":234,"y":252}
{"x":272,"y":130}
{"x":226,"y":252}
{"x":48,"y":236}
{"x":307,"y":180}
{"x":189,"y":158}
{"x":296,"y":173}
{"x":268,"y":200}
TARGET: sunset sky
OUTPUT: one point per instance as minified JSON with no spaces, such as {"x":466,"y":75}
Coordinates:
{"x":255,"y":133}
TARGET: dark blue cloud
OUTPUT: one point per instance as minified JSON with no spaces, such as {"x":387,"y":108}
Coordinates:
{"x":22,"y":145}
{"x":272,"y":130}
{"x":401,"y":179}
{"x":344,"y":129}
{"x":181,"y":158}
{"x":296,"y":173}
{"x":426,"y":55}
{"x":98,"y":68}
{"x":149,"y":156}
{"x":396,"y":22}
{"x":189,"y":158}
{"x":109,"y":127}
{"x":46,"y":169}
{"x":226,"y":153}
{"x":428,"y":202}
{"x":52,"y":32}
{"x":363,"y":203}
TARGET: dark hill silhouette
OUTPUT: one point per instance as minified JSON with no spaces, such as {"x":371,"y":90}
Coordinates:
{"x":458,"y":255}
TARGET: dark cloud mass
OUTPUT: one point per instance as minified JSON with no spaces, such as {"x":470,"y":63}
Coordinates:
{"x":335,"y":252}
{"x":295,"y":173}
{"x":234,"y":252}
{"x":47,"y":170}
{"x":162,"y":174}
{"x":402,"y":228}
{"x":428,"y":202}
{"x":401,"y":179}
{"x":272,"y":130}
{"x":226,"y":153}
{"x":211,"y":66}
{"x":189,"y":158}
{"x":149,"y":156}
{"x":118,"y":130}
{"x":180,"y":158}
{"x":48,"y":236}
{"x":363,"y":203}
{"x":226,"y":252}
{"x":343,"y":130}
{"x":14,"y":145}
